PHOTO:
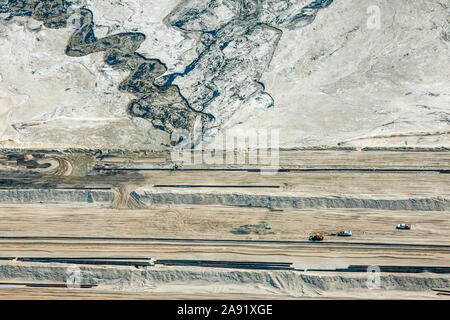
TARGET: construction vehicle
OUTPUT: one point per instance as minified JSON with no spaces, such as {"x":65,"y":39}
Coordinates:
{"x":403,"y":226}
{"x":317,"y":237}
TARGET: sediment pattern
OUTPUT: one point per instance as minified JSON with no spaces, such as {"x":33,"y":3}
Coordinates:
{"x":237,"y":43}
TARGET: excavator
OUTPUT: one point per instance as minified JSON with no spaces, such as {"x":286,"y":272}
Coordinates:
{"x":317,"y":237}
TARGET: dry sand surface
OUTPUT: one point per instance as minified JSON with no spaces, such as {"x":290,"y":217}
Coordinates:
{"x":14,"y":293}
{"x":222,"y":223}
{"x":314,"y":184}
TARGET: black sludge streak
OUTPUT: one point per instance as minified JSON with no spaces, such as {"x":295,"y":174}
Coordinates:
{"x":164,"y":105}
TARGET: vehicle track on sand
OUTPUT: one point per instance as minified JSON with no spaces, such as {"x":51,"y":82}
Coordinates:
{"x":12,"y":239}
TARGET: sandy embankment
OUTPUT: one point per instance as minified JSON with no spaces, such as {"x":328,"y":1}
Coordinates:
{"x":221,"y":281}
{"x":269,"y":200}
